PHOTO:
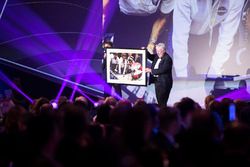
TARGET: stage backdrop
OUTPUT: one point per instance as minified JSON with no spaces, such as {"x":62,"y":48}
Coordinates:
{"x":137,"y":23}
{"x":198,"y":34}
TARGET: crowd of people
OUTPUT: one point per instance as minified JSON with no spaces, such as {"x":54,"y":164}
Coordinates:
{"x":122,"y":133}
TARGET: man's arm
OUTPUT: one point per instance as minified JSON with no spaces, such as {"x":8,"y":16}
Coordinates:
{"x":156,"y":30}
{"x":181,"y":29}
{"x":227,"y":31}
{"x":149,"y":55}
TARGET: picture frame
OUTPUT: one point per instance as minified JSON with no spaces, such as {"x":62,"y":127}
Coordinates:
{"x":126,"y":66}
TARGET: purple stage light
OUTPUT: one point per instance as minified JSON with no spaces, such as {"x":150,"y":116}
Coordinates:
{"x":6,"y":80}
{"x":3,"y":8}
{"x":82,"y":93}
{"x":36,"y":36}
{"x":241,"y":94}
{"x":73,"y":93}
{"x":32,"y":24}
{"x":98,"y":79}
{"x":90,"y":43}
{"x":60,"y":91}
{"x":109,"y":8}
{"x":92,"y":26}
{"x":44,"y":40}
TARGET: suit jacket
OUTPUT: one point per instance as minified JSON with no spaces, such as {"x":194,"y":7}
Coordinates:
{"x":164,"y":72}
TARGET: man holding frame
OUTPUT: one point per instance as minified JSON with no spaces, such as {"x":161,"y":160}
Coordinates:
{"x":161,"y":73}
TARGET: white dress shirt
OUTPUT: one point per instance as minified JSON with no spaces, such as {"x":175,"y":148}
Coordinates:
{"x":157,"y":64}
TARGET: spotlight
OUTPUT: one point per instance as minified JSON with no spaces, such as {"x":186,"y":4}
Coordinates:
{"x":54,"y":105}
{"x":4,"y":6}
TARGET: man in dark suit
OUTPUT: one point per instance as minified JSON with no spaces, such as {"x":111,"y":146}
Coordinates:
{"x":161,"y":73}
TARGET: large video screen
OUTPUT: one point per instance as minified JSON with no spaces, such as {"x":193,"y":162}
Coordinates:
{"x":209,"y":37}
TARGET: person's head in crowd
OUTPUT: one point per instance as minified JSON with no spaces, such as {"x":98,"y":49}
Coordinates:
{"x":82,"y":99}
{"x":244,"y":115}
{"x":99,"y":102}
{"x":5,"y":106}
{"x":124,"y":105}
{"x":214,"y":106}
{"x":119,"y":113}
{"x":208,"y":100}
{"x":15,"y":120}
{"x":169,"y":121}
{"x":38,"y":103}
{"x":46,"y":108}
{"x":139,"y":101}
{"x":118,"y":116}
{"x":63,"y":100}
{"x":103,"y":114}
{"x":186,"y":108}
{"x":82,"y":102}
{"x":137,"y":127}
{"x":153,"y":110}
{"x":236,"y":145}
{"x":201,"y":145}
{"x":107,"y":44}
{"x":227,"y":101}
{"x":240,"y":105}
{"x":75,"y":121}
{"x":208,"y":125}
{"x":44,"y":134}
{"x":111,"y":101}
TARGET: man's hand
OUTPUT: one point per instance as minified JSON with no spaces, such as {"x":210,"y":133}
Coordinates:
{"x":150,"y":48}
{"x":148,"y":70}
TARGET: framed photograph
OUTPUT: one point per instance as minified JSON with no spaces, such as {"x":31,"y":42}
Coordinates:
{"x":126,"y":66}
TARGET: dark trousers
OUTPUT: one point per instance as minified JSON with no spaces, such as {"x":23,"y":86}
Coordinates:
{"x":162,"y":93}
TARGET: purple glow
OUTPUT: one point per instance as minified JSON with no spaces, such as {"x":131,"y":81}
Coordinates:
{"x":91,"y":26}
{"x":33,"y":24}
{"x":43,"y":40}
{"x":38,"y":38}
{"x":90,"y":43}
{"x":98,"y":80}
{"x":108,"y":12}
{"x":2,"y":10}
{"x":73,"y":93}
{"x":241,"y":94}
{"x":5,"y":79}
{"x":60,"y":91}
{"x":82,"y":93}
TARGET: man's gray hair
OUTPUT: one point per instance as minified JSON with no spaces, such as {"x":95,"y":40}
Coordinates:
{"x":161,"y":45}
